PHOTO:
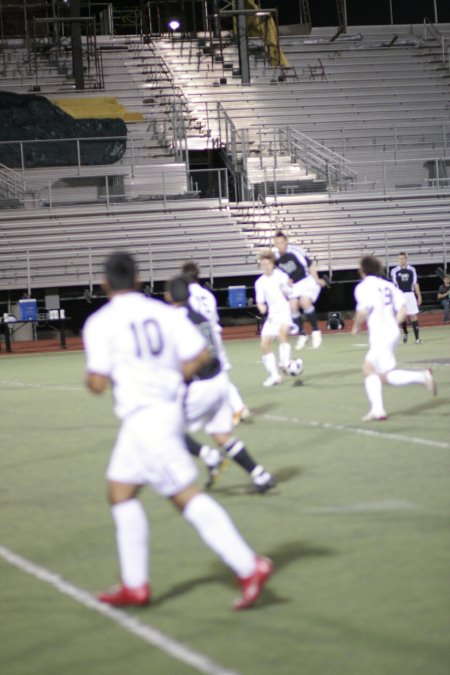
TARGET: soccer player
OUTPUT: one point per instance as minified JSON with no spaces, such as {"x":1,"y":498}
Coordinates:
{"x":207,"y":402}
{"x":272,"y":290}
{"x":204,"y":302}
{"x":382,"y":305}
{"x":306,"y":287}
{"x":404,"y":277}
{"x":146,"y":350}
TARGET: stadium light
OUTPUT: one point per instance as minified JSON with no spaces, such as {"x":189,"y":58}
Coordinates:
{"x":174,"y":24}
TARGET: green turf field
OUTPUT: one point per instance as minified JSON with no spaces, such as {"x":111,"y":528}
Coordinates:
{"x":358,"y":528}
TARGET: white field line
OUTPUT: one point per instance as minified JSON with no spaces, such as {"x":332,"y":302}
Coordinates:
{"x":371,"y":433}
{"x":150,"y":635}
{"x":38,"y":385}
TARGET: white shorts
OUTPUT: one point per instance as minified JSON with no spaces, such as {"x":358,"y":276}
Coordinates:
{"x":306,"y":288}
{"x":381,"y":354}
{"x":150,"y":448}
{"x":207,"y":405}
{"x":411,"y":303}
{"x":273,"y":323}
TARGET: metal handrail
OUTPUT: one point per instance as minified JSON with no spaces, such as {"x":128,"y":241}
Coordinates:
{"x":429,"y":26}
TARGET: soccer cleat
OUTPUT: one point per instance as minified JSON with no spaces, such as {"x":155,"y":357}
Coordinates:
{"x":215,"y":471}
{"x":263,"y":486}
{"x":272,"y":380}
{"x":301,"y":342}
{"x":419,"y":341}
{"x":241,"y":415}
{"x":429,"y":382}
{"x":370,"y":417}
{"x":316,"y":337}
{"x":126,"y":597}
{"x":405,"y":338}
{"x":252,"y":586}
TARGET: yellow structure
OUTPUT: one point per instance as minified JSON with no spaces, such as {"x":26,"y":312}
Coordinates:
{"x":98,"y":107}
{"x":265,"y":28}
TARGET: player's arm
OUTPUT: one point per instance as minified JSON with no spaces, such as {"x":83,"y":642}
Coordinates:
{"x":96,"y":383}
{"x":418,"y":293}
{"x":359,"y":320}
{"x":312,"y":269}
{"x":262,"y":307}
{"x":192,"y":366}
{"x":441,"y":296}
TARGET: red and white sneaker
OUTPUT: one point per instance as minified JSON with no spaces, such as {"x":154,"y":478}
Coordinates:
{"x":124,"y":596}
{"x":253,"y":585}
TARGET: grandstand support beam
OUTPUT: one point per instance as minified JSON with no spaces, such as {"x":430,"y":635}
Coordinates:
{"x":244,"y":63}
{"x":77,"y":48}
{"x":342,"y":14}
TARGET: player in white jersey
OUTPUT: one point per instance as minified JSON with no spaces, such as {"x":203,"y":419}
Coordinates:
{"x":272,"y":290}
{"x":207,"y":403}
{"x":382,"y":306}
{"x":146,"y":351}
{"x":203,"y":301}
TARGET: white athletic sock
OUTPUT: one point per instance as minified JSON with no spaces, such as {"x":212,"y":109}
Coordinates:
{"x":219,"y":533}
{"x":270,"y":364}
{"x":399,"y":378}
{"x":235,"y":398}
{"x":285,"y":353}
{"x":211,"y":456}
{"x":373,"y":386}
{"x":132,"y":542}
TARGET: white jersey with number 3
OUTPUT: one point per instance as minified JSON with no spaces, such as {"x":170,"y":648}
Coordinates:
{"x":139,"y":343}
{"x":381,"y":300}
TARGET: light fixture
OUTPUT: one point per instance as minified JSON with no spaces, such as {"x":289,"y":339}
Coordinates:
{"x":174,"y":24}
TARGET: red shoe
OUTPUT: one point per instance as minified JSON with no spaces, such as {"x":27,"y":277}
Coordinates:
{"x":123,"y":596}
{"x":253,"y":585}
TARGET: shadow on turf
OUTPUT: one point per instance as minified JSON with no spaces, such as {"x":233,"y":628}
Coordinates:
{"x":281,"y":476}
{"x":282,"y":556}
{"x":427,"y":405}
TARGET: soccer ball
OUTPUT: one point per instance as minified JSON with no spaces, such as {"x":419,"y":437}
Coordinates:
{"x":295,"y":367}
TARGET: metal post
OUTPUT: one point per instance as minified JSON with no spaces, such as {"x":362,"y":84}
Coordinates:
{"x":150,"y":259}
{"x":244,"y":64}
{"x":386,"y":251}
{"x":227,"y":187}
{"x":444,"y":131}
{"x":328,"y":180}
{"x":22,"y":160}
{"x":164,"y":187}
{"x":91,"y":285}
{"x":395,"y":141}
{"x":50,"y":194}
{"x":330,"y":271}
{"x":220,"y":188}
{"x":28,"y":274}
{"x":445,"y":247}
{"x":384,"y":177}
{"x":107,"y":191}
{"x":79,"y":156}
{"x":132,"y":157}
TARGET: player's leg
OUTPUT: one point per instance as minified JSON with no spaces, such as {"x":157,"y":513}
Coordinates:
{"x":240,"y":410}
{"x":268,"y":357}
{"x":212,"y":457}
{"x":309,"y":310}
{"x":219,"y":533}
{"x":236,"y":450}
{"x":374,"y":390}
{"x":284,"y":348}
{"x":400,"y":378}
{"x":446,"y":307}
{"x":298,"y":319}
{"x":415,"y":327}
{"x":132,"y":536}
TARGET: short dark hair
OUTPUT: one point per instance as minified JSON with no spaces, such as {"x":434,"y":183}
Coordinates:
{"x":279,"y":233}
{"x":267,"y":255}
{"x":371,"y":266}
{"x":121,"y":271}
{"x":178,"y":287}
{"x":403,"y":253}
{"x":191,"y":271}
